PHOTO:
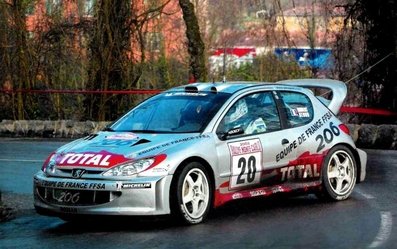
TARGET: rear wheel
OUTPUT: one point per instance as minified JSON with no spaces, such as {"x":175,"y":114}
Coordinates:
{"x":192,"y":194}
{"x":339,"y":174}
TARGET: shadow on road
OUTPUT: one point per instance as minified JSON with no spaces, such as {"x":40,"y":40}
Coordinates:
{"x":252,"y":208}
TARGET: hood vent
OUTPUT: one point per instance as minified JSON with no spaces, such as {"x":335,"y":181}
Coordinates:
{"x":141,"y":141}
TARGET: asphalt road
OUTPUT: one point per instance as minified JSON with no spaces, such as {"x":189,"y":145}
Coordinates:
{"x":366,"y":220}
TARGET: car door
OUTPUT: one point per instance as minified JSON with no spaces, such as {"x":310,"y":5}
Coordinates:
{"x":299,"y":114}
{"x":252,"y":138}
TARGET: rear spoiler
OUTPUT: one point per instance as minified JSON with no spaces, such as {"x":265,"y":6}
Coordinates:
{"x":338,"y":89}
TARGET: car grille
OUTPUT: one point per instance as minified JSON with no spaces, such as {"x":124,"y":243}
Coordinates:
{"x":76,"y":197}
{"x":87,"y":172}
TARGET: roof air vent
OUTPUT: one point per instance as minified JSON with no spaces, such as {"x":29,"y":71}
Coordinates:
{"x":192,"y":89}
{"x":214,"y":90}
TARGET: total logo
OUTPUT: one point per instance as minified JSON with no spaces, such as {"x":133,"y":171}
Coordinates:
{"x":102,"y":159}
{"x":299,"y":172}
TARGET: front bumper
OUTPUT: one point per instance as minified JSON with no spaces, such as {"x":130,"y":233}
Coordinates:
{"x":138,"y":196}
{"x":363,"y":163}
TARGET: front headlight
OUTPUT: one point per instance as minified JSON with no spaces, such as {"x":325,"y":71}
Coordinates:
{"x":49,"y":164}
{"x":130,"y":168}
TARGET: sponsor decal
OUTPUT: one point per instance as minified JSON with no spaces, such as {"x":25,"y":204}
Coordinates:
{"x":246,"y":161}
{"x":301,"y":112}
{"x":103,"y":159}
{"x":178,"y":141}
{"x":323,"y":138}
{"x":258,"y":192}
{"x":136,"y":185}
{"x":123,"y":136}
{"x":286,"y":88}
{"x":68,"y":210}
{"x":278,"y":189}
{"x":299,"y":172}
{"x":304,"y":173}
{"x":160,"y":169}
{"x":186,"y":94}
{"x":71,"y":185}
{"x":222,"y":198}
{"x":245,"y":147}
{"x":294,"y":112}
{"x":71,"y":197}
{"x":113,"y":142}
{"x":287,"y":150}
{"x":234,"y":131}
{"x":306,"y":167}
{"x":236,"y":196}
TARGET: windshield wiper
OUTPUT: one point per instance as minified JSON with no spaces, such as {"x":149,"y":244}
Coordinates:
{"x":150,"y":131}
{"x":143,"y":131}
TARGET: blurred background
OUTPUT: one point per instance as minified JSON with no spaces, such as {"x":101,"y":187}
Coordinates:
{"x":67,"y":59}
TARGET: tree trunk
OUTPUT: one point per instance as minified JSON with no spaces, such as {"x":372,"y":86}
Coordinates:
{"x":109,"y":42}
{"x":196,"y":48}
{"x":21,"y":79}
{"x":380,"y":19}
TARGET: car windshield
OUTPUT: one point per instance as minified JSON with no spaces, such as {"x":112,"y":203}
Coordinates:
{"x":172,"y":112}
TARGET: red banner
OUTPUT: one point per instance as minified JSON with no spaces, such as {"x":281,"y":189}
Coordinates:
{"x":368,"y":111}
{"x":137,"y":91}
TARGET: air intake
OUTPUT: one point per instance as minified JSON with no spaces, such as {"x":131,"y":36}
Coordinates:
{"x":214,"y":90}
{"x":90,"y":137}
{"x":141,"y":141}
{"x":191,"y":89}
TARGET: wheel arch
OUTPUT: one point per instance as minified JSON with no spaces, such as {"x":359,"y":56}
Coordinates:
{"x":205,"y":164}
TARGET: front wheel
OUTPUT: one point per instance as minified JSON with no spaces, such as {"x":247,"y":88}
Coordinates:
{"x":339,"y":174}
{"x":191,"y":195}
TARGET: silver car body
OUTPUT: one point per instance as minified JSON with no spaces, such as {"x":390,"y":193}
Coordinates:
{"x":289,"y":160}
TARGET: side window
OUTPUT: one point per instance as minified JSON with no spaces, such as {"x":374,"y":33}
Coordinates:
{"x":298,"y":108}
{"x":252,"y":114}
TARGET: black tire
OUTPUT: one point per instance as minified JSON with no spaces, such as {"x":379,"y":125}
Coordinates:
{"x":339,"y":174}
{"x":191,"y":194}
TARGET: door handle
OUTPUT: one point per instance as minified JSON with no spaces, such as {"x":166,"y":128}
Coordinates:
{"x":284,"y":141}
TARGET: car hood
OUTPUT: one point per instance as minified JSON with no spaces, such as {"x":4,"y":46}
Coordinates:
{"x":106,"y":149}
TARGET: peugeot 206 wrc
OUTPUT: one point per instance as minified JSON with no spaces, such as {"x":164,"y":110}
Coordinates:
{"x":195,"y":147}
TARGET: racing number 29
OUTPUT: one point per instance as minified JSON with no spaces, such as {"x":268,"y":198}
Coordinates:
{"x":244,"y":165}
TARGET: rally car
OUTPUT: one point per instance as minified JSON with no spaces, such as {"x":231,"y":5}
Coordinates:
{"x":196,"y":147}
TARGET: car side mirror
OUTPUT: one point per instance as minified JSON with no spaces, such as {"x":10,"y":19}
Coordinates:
{"x":230,"y":133}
